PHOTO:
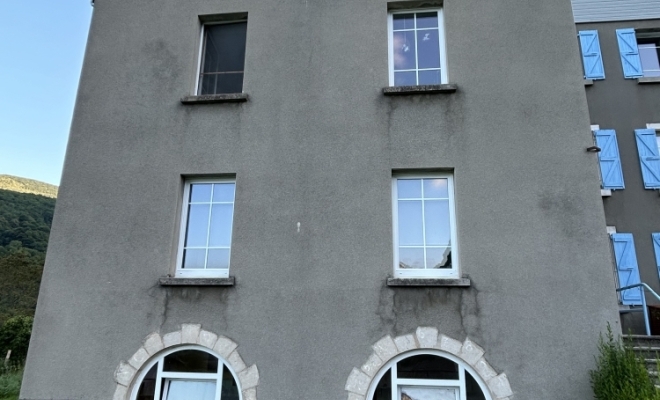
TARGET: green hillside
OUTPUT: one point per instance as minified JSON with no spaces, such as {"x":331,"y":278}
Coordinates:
{"x":24,"y":185}
{"x":25,"y":221}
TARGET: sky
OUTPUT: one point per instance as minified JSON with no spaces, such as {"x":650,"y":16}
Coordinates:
{"x":42,"y":43}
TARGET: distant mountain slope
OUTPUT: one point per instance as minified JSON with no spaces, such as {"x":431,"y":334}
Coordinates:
{"x":24,"y":185}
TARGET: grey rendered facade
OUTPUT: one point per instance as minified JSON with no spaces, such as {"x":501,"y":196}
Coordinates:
{"x":626,"y":105}
{"x":313,"y":152}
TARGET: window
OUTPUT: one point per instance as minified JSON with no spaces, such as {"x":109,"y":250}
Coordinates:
{"x":423,"y":376}
{"x":222,"y":58}
{"x":640,"y":52}
{"x":206,"y":228}
{"x":424,"y":226}
{"x":417,"y":48}
{"x":649,"y":52}
{"x":187,"y":373}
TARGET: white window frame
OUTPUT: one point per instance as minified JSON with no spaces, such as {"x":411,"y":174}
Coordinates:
{"x":441,"y":40}
{"x":202,"y":45}
{"x":460,"y":383}
{"x":656,"y":128}
{"x":449,"y":273}
{"x":188,"y":376}
{"x":206,"y":272}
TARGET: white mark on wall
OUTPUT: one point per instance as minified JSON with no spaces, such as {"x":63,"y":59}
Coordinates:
{"x":298,"y":226}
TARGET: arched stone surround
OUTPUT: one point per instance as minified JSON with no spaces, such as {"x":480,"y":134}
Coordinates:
{"x":154,"y":343}
{"x":361,"y":379}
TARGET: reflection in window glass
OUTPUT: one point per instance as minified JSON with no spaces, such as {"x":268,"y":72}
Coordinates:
{"x":416,"y":40}
{"x":649,"y":54}
{"x":427,"y":377}
{"x":188,"y":374}
{"x":427,"y":366}
{"x":424,"y":223}
{"x":223,"y":58}
{"x":208,"y":229}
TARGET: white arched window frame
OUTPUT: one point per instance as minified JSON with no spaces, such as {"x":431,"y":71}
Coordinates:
{"x":189,"y":376}
{"x":445,"y":383}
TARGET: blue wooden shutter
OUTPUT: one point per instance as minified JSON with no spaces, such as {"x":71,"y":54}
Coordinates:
{"x":632,"y":64}
{"x":626,"y":267}
{"x":649,"y":159}
{"x":591,"y":56}
{"x":610,"y":163}
{"x":656,"y":247}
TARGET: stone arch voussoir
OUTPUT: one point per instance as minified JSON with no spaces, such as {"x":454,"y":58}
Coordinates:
{"x":360,"y":379}
{"x":189,"y":334}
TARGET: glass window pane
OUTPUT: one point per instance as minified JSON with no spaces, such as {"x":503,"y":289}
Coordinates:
{"x":427,"y":366}
{"x":428,"y":393}
{"x":473,"y":390}
{"x":147,"y":389}
{"x":410,"y":223}
{"x":228,"y":83}
{"x":190,"y":361}
{"x":427,"y":20}
{"x":438,"y":257}
{"x":405,"y":79}
{"x":431,"y":77}
{"x":187,"y":390}
{"x":200,"y":192}
{"x":648,"y":53}
{"x":198,"y":225}
{"x":223,"y":192}
{"x":436,"y":222}
{"x":194,"y":259}
{"x":411,"y":258}
{"x":436,"y":188}
{"x":218,"y":259}
{"x":221,"y":222}
{"x":403,"y":21}
{"x":384,"y":389}
{"x":409,"y":188}
{"x":403,"y":50}
{"x":428,"y":49}
{"x":225,"y":46}
{"x":229,"y":386}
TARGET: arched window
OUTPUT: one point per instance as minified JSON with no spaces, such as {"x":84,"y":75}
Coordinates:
{"x":185,"y":373}
{"x":427,"y":375}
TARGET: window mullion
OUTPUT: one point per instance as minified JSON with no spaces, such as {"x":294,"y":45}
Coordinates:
{"x":218,"y":385}
{"x":461,"y":379}
{"x":421,"y":181}
{"x":208,"y":229}
{"x":395,"y":387}
{"x":416,"y":54}
{"x":159,"y":381}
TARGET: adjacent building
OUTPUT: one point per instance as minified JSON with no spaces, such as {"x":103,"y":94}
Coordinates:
{"x":307,"y":199}
{"x":620,"y":45}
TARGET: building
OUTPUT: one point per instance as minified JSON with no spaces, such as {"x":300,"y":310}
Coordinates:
{"x":620,"y":43}
{"x":307,"y":199}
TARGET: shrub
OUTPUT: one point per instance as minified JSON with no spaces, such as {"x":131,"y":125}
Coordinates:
{"x":15,"y":336}
{"x":10,"y":384}
{"x":620,"y":374}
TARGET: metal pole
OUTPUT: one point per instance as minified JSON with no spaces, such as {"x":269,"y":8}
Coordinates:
{"x":646,"y":312}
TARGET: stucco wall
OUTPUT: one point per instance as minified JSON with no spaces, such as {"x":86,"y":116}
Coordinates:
{"x":317,"y":144}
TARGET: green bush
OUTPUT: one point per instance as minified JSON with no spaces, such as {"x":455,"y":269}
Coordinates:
{"x":10,"y":384}
{"x":620,"y":374}
{"x":15,"y":336}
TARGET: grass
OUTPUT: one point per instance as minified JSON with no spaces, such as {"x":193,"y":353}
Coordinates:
{"x":10,"y":382}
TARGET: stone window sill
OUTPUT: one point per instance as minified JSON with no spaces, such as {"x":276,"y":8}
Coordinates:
{"x":605,"y":192}
{"x":429,"y":282}
{"x":420,"y":89}
{"x":649,"y":79}
{"x":588,"y":82}
{"x":215,"y":98}
{"x":171,"y":281}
